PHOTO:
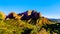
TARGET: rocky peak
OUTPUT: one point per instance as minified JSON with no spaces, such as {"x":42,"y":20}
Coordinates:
{"x":30,"y":14}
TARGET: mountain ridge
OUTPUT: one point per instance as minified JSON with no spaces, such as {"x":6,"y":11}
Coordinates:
{"x":29,"y":16}
{"x":29,"y":22}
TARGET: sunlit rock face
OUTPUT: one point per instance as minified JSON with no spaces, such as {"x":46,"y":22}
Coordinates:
{"x":29,"y":12}
{"x":13,"y":15}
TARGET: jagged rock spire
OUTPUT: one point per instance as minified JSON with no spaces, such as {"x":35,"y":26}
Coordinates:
{"x":29,"y":12}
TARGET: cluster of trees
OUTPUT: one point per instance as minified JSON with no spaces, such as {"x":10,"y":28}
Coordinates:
{"x":30,"y":22}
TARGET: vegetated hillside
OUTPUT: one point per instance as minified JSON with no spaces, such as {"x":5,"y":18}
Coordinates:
{"x":29,"y":22}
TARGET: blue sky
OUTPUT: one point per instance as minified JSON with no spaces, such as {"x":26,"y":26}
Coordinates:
{"x":48,"y":8}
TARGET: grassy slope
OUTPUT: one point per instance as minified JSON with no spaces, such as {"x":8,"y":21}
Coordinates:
{"x":15,"y":27}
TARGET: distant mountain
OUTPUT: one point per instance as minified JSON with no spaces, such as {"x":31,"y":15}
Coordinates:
{"x":55,"y":20}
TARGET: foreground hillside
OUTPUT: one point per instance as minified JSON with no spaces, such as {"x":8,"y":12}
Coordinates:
{"x":29,"y":22}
